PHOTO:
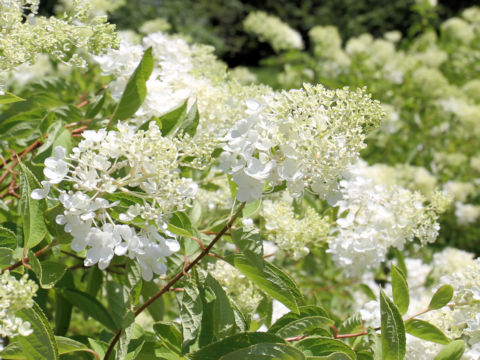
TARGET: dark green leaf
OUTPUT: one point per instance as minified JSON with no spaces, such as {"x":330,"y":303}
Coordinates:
{"x":94,"y":280}
{"x":170,"y":335}
{"x":401,"y":296}
{"x":324,"y":346}
{"x":235,"y":342}
{"x":157,"y":308}
{"x":136,"y":88}
{"x":393,"y":330}
{"x":441,"y":297}
{"x":40,"y":344}
{"x":34,"y":228}
{"x":90,"y":306}
{"x":425,"y":331}
{"x":265,"y":352}
{"x":452,"y":351}
{"x":223,"y":315}
{"x":190,"y":313}
{"x":117,"y":300}
{"x":63,"y":314}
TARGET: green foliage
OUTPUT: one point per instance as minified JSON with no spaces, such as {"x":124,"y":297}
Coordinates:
{"x":136,"y":89}
{"x":393,"y":330}
{"x":441,"y":297}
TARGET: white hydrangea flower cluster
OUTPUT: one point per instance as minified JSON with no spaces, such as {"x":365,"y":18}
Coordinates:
{"x":14,"y":296}
{"x":181,"y":72}
{"x":271,"y":29}
{"x":125,"y":184}
{"x":304,"y":137}
{"x":373,"y":218}
{"x":242,"y":290}
{"x":23,"y":36}
{"x":293,"y":234}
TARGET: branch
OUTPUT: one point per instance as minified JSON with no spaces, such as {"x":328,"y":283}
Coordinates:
{"x":177,"y":277}
{"x":37,"y":254}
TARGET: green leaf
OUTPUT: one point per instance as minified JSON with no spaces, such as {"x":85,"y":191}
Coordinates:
{"x":190,"y":123}
{"x":441,"y":297}
{"x":233,"y":187}
{"x":452,"y":351}
{"x":98,"y":346}
{"x":401,"y":296}
{"x":95,"y":106}
{"x":180,"y":225}
{"x":171,"y":121}
{"x":190,"y":313}
{"x":223,"y":315}
{"x":250,"y":244}
{"x":324,"y":346}
{"x":425,"y":331}
{"x":7,"y":238}
{"x":265,"y":352}
{"x":94,"y":280}
{"x":67,"y":345}
{"x":6,"y":257}
{"x":157,"y":308}
{"x":63,"y":314}
{"x":34,"y":227}
{"x":13,"y":351}
{"x":40,"y":344}
{"x":128,"y":326}
{"x":136,"y":88}
{"x":117,"y":302}
{"x":170,"y":335}
{"x":134,"y":280}
{"x":272,"y":280}
{"x":251,"y":208}
{"x":51,"y":273}
{"x":304,"y":311}
{"x":393,"y":330}
{"x":300,"y":326}
{"x":90,"y":306}
{"x":8,"y":98}
{"x":55,"y":229}
{"x":235,"y":342}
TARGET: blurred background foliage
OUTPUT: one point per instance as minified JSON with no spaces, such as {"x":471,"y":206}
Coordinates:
{"x":219,"y":22}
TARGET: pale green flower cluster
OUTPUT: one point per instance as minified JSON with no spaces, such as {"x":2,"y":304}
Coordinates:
{"x":96,"y":7}
{"x":271,"y":29}
{"x":155,"y":25}
{"x":462,"y":319}
{"x":243,"y":75}
{"x":14,"y":296}
{"x":293,"y":233}
{"x":242,"y":291}
{"x":23,"y":37}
